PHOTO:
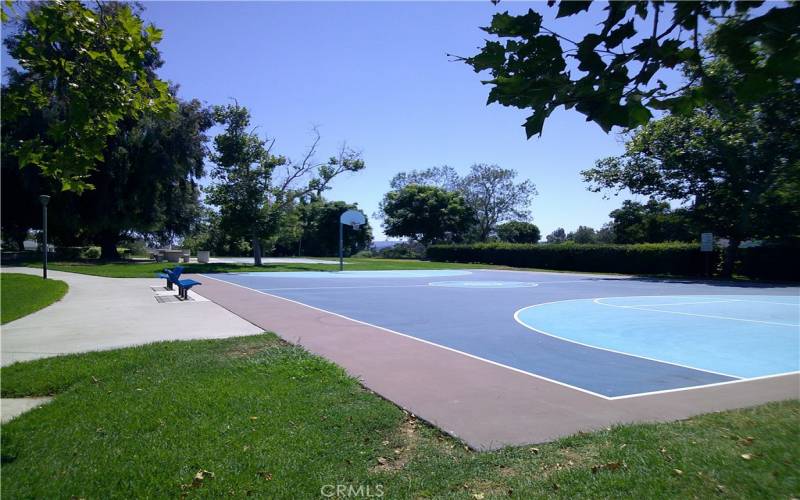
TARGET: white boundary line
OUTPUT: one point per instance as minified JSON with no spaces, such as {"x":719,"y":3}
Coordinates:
{"x":645,"y":307}
{"x":502,"y":284}
{"x":729,"y":382}
{"x":580,"y":389}
{"x":336,"y":287}
{"x":517,"y":370}
{"x":518,"y":320}
{"x":767,"y":302}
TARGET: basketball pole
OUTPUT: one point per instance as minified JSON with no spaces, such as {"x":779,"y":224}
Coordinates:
{"x":341,"y":246}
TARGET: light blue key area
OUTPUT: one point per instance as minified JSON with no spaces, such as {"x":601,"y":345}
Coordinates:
{"x":739,"y":335}
{"x":421,"y":273}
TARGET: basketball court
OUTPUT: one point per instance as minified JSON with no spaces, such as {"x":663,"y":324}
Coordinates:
{"x":512,"y":357}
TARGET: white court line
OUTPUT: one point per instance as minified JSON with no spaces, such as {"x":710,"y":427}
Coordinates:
{"x":540,"y":377}
{"x":517,"y":370}
{"x":768,"y":302}
{"x":762,"y":377}
{"x":644,"y":307}
{"x":666,"y":304}
{"x":518,"y":320}
{"x":334,"y":287}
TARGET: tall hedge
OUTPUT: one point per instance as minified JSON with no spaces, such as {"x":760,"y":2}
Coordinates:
{"x":770,"y":262}
{"x":683,"y":259}
{"x":647,"y":258}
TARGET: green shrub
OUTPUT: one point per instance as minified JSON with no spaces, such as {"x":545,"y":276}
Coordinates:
{"x":647,"y":258}
{"x":69,"y":253}
{"x":91,"y":253}
{"x":770,"y":262}
{"x":404,"y":250}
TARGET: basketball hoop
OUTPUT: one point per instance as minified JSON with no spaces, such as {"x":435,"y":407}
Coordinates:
{"x":355,"y":220}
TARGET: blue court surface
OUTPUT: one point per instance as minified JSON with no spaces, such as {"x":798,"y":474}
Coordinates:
{"x":608,"y":336}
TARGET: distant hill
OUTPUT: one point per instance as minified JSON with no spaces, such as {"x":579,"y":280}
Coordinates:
{"x":380,"y":245}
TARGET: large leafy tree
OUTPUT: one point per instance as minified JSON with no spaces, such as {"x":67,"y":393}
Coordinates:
{"x":426,"y":214}
{"x":613,"y":75}
{"x":253,"y":188}
{"x":494,"y":197}
{"x":444,"y":177}
{"x":737,"y":165}
{"x":557,"y":236}
{"x":491,"y":192}
{"x":583,"y":235}
{"x":145,"y":184}
{"x":516,"y":231}
{"x":320,"y":229}
{"x":85,"y":71}
{"x":651,"y":222}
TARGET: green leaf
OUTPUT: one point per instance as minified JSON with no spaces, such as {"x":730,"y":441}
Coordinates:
{"x":535,"y":123}
{"x":571,"y":7}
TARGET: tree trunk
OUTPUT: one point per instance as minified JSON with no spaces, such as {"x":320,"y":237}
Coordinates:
{"x":256,"y":251}
{"x":19,"y":240}
{"x":729,"y":257}
{"x":108,"y":246}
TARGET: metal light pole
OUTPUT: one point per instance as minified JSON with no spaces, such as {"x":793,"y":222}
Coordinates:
{"x":44,"y":199}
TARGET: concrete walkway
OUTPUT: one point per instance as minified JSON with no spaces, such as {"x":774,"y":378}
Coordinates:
{"x":107,"y":313}
{"x":11,"y":408}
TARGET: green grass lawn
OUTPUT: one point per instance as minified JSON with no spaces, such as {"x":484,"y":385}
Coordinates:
{"x":269,"y":420}
{"x":148,"y":269}
{"x":22,"y":294}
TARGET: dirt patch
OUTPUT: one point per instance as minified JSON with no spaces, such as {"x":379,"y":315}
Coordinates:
{"x":249,"y":349}
{"x":405,"y":443}
{"x":568,"y":458}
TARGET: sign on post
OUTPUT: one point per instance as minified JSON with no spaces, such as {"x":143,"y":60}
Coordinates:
{"x":354,"y":219}
{"x":706,"y":242}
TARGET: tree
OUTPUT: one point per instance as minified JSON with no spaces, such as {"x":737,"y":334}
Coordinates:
{"x":444,"y":177}
{"x":613,"y":76}
{"x":516,"y":231}
{"x":489,"y":190}
{"x":653,"y":222}
{"x":583,"y":235}
{"x":145,"y":184}
{"x":557,"y":236}
{"x":737,"y":166}
{"x":494,"y":197}
{"x":605,"y":234}
{"x":320,"y":232}
{"x":425,"y":213}
{"x":84,"y":72}
{"x":253,"y":188}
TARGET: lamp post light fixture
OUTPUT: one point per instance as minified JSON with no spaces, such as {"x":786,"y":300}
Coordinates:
{"x":44,"y":199}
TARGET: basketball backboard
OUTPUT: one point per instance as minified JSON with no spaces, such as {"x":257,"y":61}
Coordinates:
{"x":353,"y":218}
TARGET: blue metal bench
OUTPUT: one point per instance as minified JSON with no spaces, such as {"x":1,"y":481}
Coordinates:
{"x":171,"y":275}
{"x":184,"y":286}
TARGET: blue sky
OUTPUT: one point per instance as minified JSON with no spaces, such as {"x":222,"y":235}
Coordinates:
{"x":377,"y":75}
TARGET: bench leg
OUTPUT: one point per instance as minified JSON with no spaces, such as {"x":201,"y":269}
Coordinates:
{"x":169,"y":285}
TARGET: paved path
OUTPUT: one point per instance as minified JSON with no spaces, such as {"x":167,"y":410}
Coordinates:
{"x":11,"y":408}
{"x":106,"y":313}
{"x":485,"y":404}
